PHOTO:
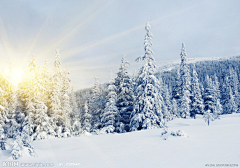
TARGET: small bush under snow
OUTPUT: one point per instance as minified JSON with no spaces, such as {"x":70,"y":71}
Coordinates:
{"x":178,"y":133}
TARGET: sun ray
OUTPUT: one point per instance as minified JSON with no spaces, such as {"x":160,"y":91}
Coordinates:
{"x":118,"y":35}
{"x":91,"y":45}
{"x":5,"y":40}
{"x":79,"y":26}
{"x":29,"y":51}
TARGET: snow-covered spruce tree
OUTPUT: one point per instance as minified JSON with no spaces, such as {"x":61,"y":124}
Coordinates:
{"x":176,"y":87}
{"x":8,"y":102}
{"x":86,"y":119}
{"x":110,"y":112}
{"x":216,"y":90}
{"x":184,"y":107}
{"x":148,"y":103}
{"x":94,"y":106}
{"x":167,"y":109}
{"x":74,"y":116}
{"x":3,"y":143}
{"x":208,"y":116}
{"x":185,"y":85}
{"x":209,"y":98}
{"x":234,"y":83}
{"x":197,"y":101}
{"x":55,"y":109}
{"x":217,"y":110}
{"x":228,"y":103}
{"x":44,"y":124}
{"x":175,"y":108}
{"x":66,"y":108}
{"x":26,"y":140}
{"x":125,"y":96}
{"x":28,"y":96}
{"x":11,"y":123}
{"x":32,"y":98}
{"x":3,"y":102}
{"x":17,"y":148}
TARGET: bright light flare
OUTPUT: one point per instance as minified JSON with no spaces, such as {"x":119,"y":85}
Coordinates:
{"x":16,"y":77}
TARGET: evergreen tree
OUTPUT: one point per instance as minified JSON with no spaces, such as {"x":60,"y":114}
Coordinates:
{"x":175,"y":108}
{"x":208,"y":116}
{"x":86,"y":119}
{"x":17,"y":148}
{"x":234,"y":83}
{"x":167,"y":107}
{"x":147,"y":112}
{"x":94,"y":106}
{"x":197,"y":101}
{"x":110,"y":112}
{"x":185,"y":85}
{"x":66,"y":108}
{"x":55,"y":108}
{"x":216,"y":91}
{"x":218,"y":110}
{"x":74,"y":116}
{"x":176,"y":87}
{"x":44,"y":124}
{"x":209,"y":98}
{"x":184,"y":108}
{"x":3,"y":143}
{"x":125,"y":97}
{"x":228,"y":102}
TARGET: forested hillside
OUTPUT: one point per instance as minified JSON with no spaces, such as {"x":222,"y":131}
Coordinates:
{"x":44,"y":104}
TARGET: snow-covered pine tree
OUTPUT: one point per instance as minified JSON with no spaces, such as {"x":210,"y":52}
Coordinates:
{"x":167,"y":107}
{"x":234,"y":83}
{"x":228,"y":102}
{"x":3,"y":102}
{"x":208,"y":116}
{"x":66,"y":108}
{"x":217,"y":110}
{"x":216,"y":91}
{"x":11,"y":123}
{"x":185,"y":85}
{"x":86,"y":119}
{"x":11,"y":99}
{"x":197,"y":101}
{"x":74,"y":116}
{"x":184,"y":108}
{"x":55,"y":110}
{"x":44,"y":124}
{"x":26,"y":140}
{"x":216,"y":88}
{"x":209,"y":97}
{"x":147,"y":112}
{"x":17,"y":148}
{"x":94,"y":106}
{"x":176,"y":87}
{"x":175,"y":108}
{"x":110,"y":112}
{"x":3,"y":143}
{"x":125,"y":96}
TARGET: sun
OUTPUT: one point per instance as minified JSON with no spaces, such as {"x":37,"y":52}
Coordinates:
{"x":16,"y":77}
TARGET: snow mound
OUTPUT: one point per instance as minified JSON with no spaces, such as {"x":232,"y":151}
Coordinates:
{"x":178,"y":133}
{"x":85,"y":133}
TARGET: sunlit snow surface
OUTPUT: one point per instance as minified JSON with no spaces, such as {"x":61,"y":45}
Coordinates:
{"x":218,"y":143}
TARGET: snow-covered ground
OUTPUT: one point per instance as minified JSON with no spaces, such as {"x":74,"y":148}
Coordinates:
{"x":218,"y":143}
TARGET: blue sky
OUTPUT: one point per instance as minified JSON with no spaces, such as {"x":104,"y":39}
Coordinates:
{"x":92,"y":35}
